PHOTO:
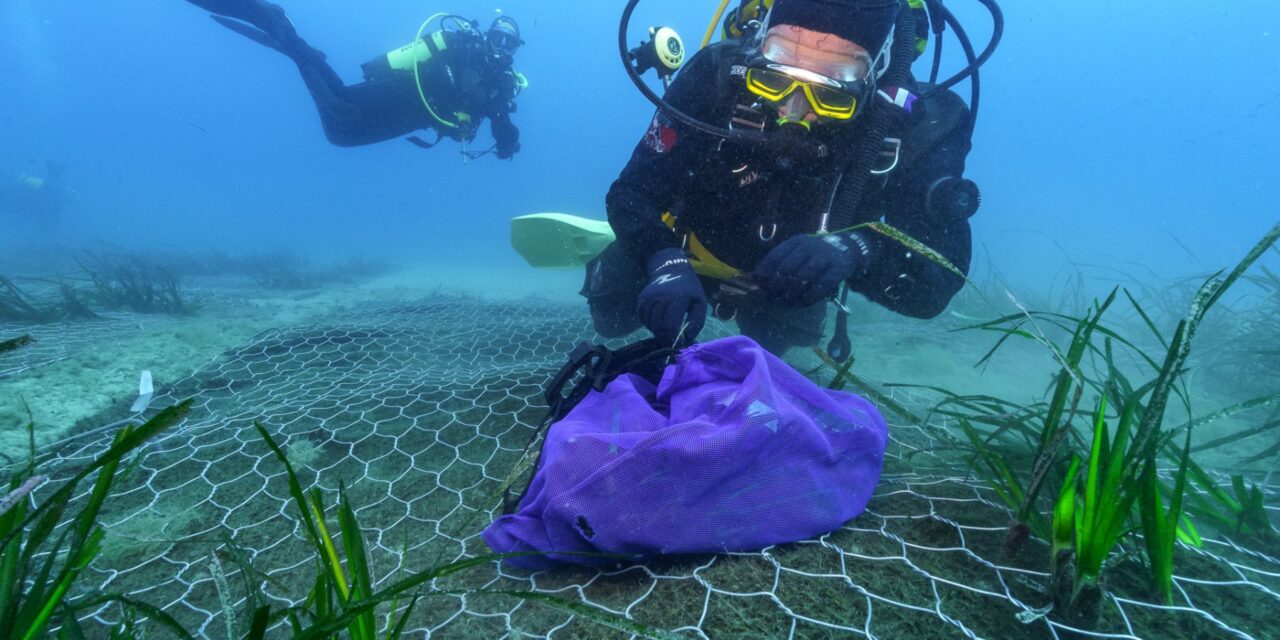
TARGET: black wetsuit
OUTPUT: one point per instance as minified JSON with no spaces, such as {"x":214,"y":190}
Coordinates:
{"x":458,"y":79}
{"x":739,"y":204}
{"x":459,"y":76}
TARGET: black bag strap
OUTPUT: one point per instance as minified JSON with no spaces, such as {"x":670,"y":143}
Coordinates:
{"x":591,"y":367}
{"x":586,"y":359}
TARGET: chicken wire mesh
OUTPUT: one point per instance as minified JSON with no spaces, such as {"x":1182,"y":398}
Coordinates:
{"x":422,"y":410}
{"x":57,"y":341}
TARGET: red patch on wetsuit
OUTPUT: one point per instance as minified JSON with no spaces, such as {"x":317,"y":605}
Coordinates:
{"x":660,"y":138}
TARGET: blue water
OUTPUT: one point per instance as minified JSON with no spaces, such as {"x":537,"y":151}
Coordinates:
{"x":1110,"y":131}
{"x":1132,"y":142}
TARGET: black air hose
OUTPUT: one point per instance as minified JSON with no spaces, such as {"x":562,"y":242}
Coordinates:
{"x":938,"y":25}
{"x":882,"y":119}
{"x":974,"y":61}
{"x":975,"y":77}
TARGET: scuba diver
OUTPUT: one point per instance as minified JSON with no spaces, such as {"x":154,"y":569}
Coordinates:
{"x":750,"y":193}
{"x":34,"y":199}
{"x":449,"y":80}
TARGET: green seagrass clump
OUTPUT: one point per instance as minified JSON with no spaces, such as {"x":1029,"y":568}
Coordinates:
{"x":1105,"y":462}
{"x":48,"y":544}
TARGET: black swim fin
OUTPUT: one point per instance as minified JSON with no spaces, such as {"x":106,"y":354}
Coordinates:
{"x":251,"y":32}
{"x":253,"y":11}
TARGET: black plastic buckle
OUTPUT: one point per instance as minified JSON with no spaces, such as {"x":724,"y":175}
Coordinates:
{"x":586,"y":356}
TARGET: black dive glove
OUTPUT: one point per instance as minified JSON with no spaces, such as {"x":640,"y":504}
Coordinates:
{"x":507,"y":136}
{"x":673,"y":293}
{"x":805,"y":270}
{"x":508,"y":151}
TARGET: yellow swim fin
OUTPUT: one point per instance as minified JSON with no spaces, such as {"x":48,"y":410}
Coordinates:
{"x":558,"y":240}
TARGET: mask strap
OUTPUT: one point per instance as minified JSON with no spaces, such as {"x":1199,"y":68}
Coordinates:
{"x":762,"y":32}
{"x":884,"y":59}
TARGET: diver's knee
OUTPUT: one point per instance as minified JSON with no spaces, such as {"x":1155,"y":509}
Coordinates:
{"x":342,"y":140}
{"x":611,"y":287}
{"x":613,"y":315}
{"x":340,"y":136}
{"x":612,"y":324}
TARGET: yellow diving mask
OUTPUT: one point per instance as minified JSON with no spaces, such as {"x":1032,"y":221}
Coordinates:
{"x":829,"y":98}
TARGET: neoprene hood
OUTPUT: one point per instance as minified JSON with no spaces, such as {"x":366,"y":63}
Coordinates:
{"x":865,"y":22}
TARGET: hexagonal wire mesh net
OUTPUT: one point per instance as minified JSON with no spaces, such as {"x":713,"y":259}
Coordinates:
{"x":422,"y":410}
{"x":65,"y":339}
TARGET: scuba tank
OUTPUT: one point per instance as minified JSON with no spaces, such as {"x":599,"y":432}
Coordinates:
{"x":464,"y":35}
{"x":404,"y":58}
{"x":421,"y":50}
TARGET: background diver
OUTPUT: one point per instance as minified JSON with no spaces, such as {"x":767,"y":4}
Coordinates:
{"x":36,"y":199}
{"x":768,"y":150}
{"x":449,"y":80}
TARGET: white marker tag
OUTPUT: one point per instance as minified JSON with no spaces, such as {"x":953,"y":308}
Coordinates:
{"x":145,"y":392}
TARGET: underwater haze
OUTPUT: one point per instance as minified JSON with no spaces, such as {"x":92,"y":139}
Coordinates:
{"x":1111,"y":130}
{"x":356,"y":320}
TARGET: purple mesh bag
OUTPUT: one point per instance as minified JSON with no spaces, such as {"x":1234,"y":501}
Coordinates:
{"x":733,"y":451}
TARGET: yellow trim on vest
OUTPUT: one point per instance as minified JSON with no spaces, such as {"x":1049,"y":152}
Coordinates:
{"x":704,"y":262}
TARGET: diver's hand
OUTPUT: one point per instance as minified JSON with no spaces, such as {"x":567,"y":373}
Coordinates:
{"x":506,"y":135}
{"x":506,"y":151}
{"x":805,"y":270}
{"x":672,"y":295}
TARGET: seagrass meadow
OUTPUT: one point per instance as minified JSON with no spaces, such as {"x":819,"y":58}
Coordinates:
{"x":284,"y":286}
{"x":331,"y":477}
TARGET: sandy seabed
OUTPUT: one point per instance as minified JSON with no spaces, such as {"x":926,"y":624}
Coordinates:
{"x":95,"y":374}
{"x":101,"y":369}
{"x":418,"y":389}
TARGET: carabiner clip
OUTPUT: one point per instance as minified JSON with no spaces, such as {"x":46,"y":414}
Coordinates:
{"x":718,"y":312}
{"x":896,"y":154}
